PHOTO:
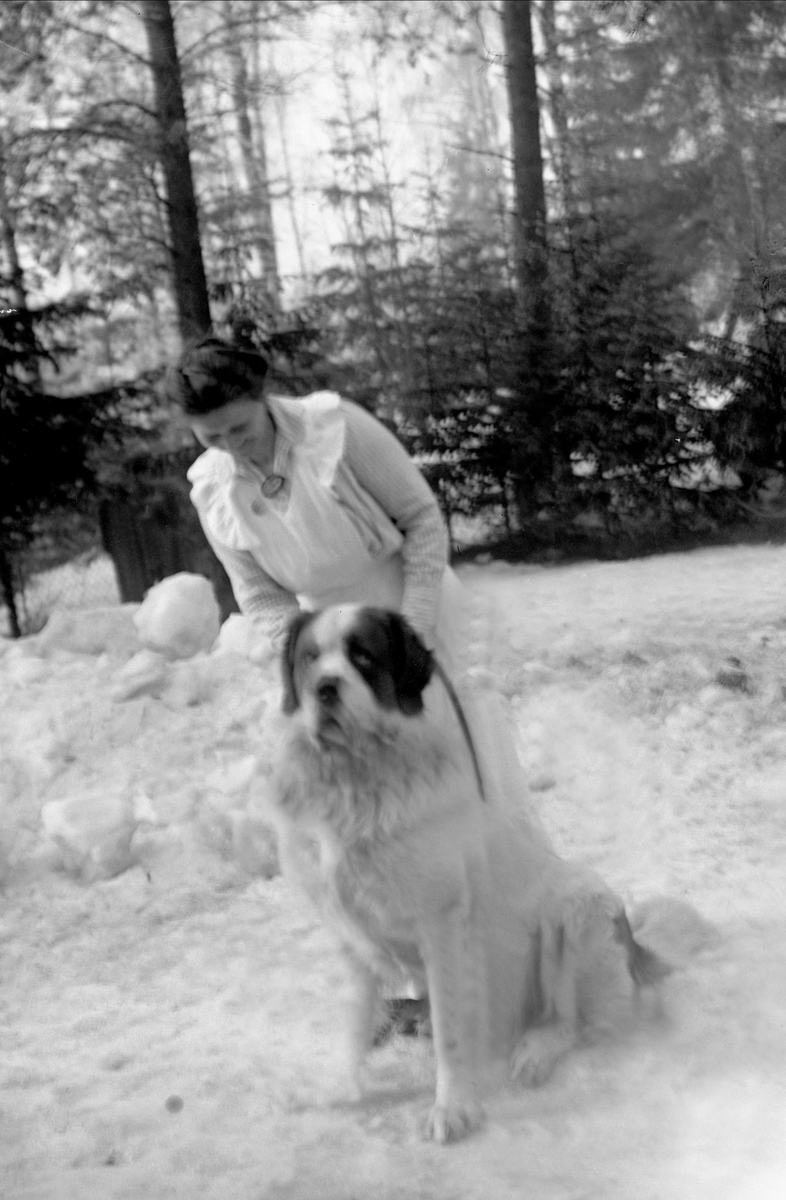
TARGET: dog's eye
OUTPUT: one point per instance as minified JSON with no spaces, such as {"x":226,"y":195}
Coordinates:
{"x":308,"y":655}
{"x":362,"y":659}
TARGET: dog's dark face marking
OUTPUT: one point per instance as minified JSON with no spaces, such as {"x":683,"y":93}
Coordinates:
{"x":384,"y":648}
{"x":293,"y":659}
{"x":322,"y":650}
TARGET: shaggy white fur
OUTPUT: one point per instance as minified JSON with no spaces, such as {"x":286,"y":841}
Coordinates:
{"x":381,"y":821}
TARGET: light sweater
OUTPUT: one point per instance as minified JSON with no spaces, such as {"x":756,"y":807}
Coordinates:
{"x":373,"y":462}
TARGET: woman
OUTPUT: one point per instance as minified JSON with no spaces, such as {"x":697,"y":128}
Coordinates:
{"x":309,"y":502}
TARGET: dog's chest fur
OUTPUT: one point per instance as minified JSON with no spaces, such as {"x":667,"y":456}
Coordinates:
{"x":359,"y":820}
{"x":378,"y":788}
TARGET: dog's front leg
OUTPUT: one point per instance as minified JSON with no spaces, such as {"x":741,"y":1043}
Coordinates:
{"x":361,"y":1011}
{"x":452,"y":973}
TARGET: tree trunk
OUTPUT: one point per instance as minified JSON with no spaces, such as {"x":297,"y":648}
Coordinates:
{"x":557,"y":107}
{"x":530,"y":205}
{"x":533,"y":467}
{"x":749,"y":216}
{"x":254,"y":160}
{"x":148,"y":543}
{"x":290,"y":185}
{"x":16,"y":281}
{"x":9,"y":594}
{"x":360,"y":238}
{"x":188,"y":270}
{"x":401,"y":318}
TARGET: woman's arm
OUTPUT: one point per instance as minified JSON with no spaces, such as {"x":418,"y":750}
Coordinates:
{"x":383,"y":468}
{"x":259,"y":597}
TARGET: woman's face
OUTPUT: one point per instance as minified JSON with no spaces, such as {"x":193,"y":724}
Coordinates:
{"x":244,"y":428}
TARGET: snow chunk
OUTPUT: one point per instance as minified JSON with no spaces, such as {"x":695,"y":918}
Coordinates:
{"x":233,"y":777}
{"x":178,"y":685}
{"x":145,"y":674}
{"x":672,"y":928}
{"x":22,"y":669}
{"x":239,"y":635}
{"x":179,"y":616}
{"x":236,"y":636}
{"x":189,"y":683}
{"x":242,"y":837}
{"x":92,"y":832}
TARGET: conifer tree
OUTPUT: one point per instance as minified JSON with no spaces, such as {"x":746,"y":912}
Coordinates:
{"x":188,"y":270}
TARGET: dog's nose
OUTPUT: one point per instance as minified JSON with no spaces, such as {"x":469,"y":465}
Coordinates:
{"x":327,"y":690}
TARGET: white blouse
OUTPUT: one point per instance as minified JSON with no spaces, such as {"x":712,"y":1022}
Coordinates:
{"x":354,"y":519}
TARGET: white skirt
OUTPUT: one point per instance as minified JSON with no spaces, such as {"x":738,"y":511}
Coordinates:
{"x":463,"y":651}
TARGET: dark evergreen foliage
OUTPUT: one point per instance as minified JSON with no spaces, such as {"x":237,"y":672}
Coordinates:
{"x":660,"y":363}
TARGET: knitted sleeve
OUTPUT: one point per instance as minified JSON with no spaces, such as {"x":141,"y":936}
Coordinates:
{"x":258,"y":596}
{"x":383,"y":468}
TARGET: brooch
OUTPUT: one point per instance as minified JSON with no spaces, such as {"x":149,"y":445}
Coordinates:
{"x":272,"y":486}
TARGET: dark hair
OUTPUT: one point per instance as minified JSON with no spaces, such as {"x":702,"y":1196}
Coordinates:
{"x":212,"y":373}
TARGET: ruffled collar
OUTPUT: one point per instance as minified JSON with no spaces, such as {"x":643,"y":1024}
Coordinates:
{"x":309,"y":432}
{"x":290,"y":422}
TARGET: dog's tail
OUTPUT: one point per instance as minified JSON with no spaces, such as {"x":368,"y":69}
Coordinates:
{"x":645,"y":966}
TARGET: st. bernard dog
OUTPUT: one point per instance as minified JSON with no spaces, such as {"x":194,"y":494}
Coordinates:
{"x":382,"y":818}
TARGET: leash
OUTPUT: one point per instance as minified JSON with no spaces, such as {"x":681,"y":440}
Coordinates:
{"x":449,"y":688}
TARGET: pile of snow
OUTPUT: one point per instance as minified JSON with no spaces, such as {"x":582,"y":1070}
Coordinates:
{"x":179,"y":617}
{"x":134,"y":694}
{"x":93,"y":631}
{"x":92,"y":833}
{"x":172,"y":1009}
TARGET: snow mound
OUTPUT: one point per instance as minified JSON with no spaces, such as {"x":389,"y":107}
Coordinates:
{"x":236,"y":636}
{"x":195,"y":975}
{"x":673,"y":928}
{"x":92,"y":833}
{"x":144,"y":674}
{"x":179,"y":616}
{"x":92,"y":631}
{"x":89,"y":730}
{"x":239,"y":635}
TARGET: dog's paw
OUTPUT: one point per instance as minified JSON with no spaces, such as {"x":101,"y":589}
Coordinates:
{"x":452,"y":1122}
{"x":536,"y":1056}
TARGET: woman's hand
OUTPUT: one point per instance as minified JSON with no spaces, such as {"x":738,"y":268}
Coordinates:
{"x":264,"y":653}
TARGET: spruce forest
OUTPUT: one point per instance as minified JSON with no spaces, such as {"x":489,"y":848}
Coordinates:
{"x":543,"y":240}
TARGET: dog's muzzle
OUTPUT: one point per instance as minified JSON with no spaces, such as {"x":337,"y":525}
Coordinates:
{"x":329,"y":726}
{"x":328,"y":692}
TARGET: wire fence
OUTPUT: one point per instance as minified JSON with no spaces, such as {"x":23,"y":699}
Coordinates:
{"x":87,"y":581}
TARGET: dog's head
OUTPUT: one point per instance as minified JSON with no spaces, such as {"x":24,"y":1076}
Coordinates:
{"x":348,"y":667}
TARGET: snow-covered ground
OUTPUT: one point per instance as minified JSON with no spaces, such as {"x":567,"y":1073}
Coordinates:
{"x":171,"y":1030}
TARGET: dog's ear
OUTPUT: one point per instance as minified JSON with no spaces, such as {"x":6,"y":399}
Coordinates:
{"x":291,"y":700}
{"x":413,"y":664}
